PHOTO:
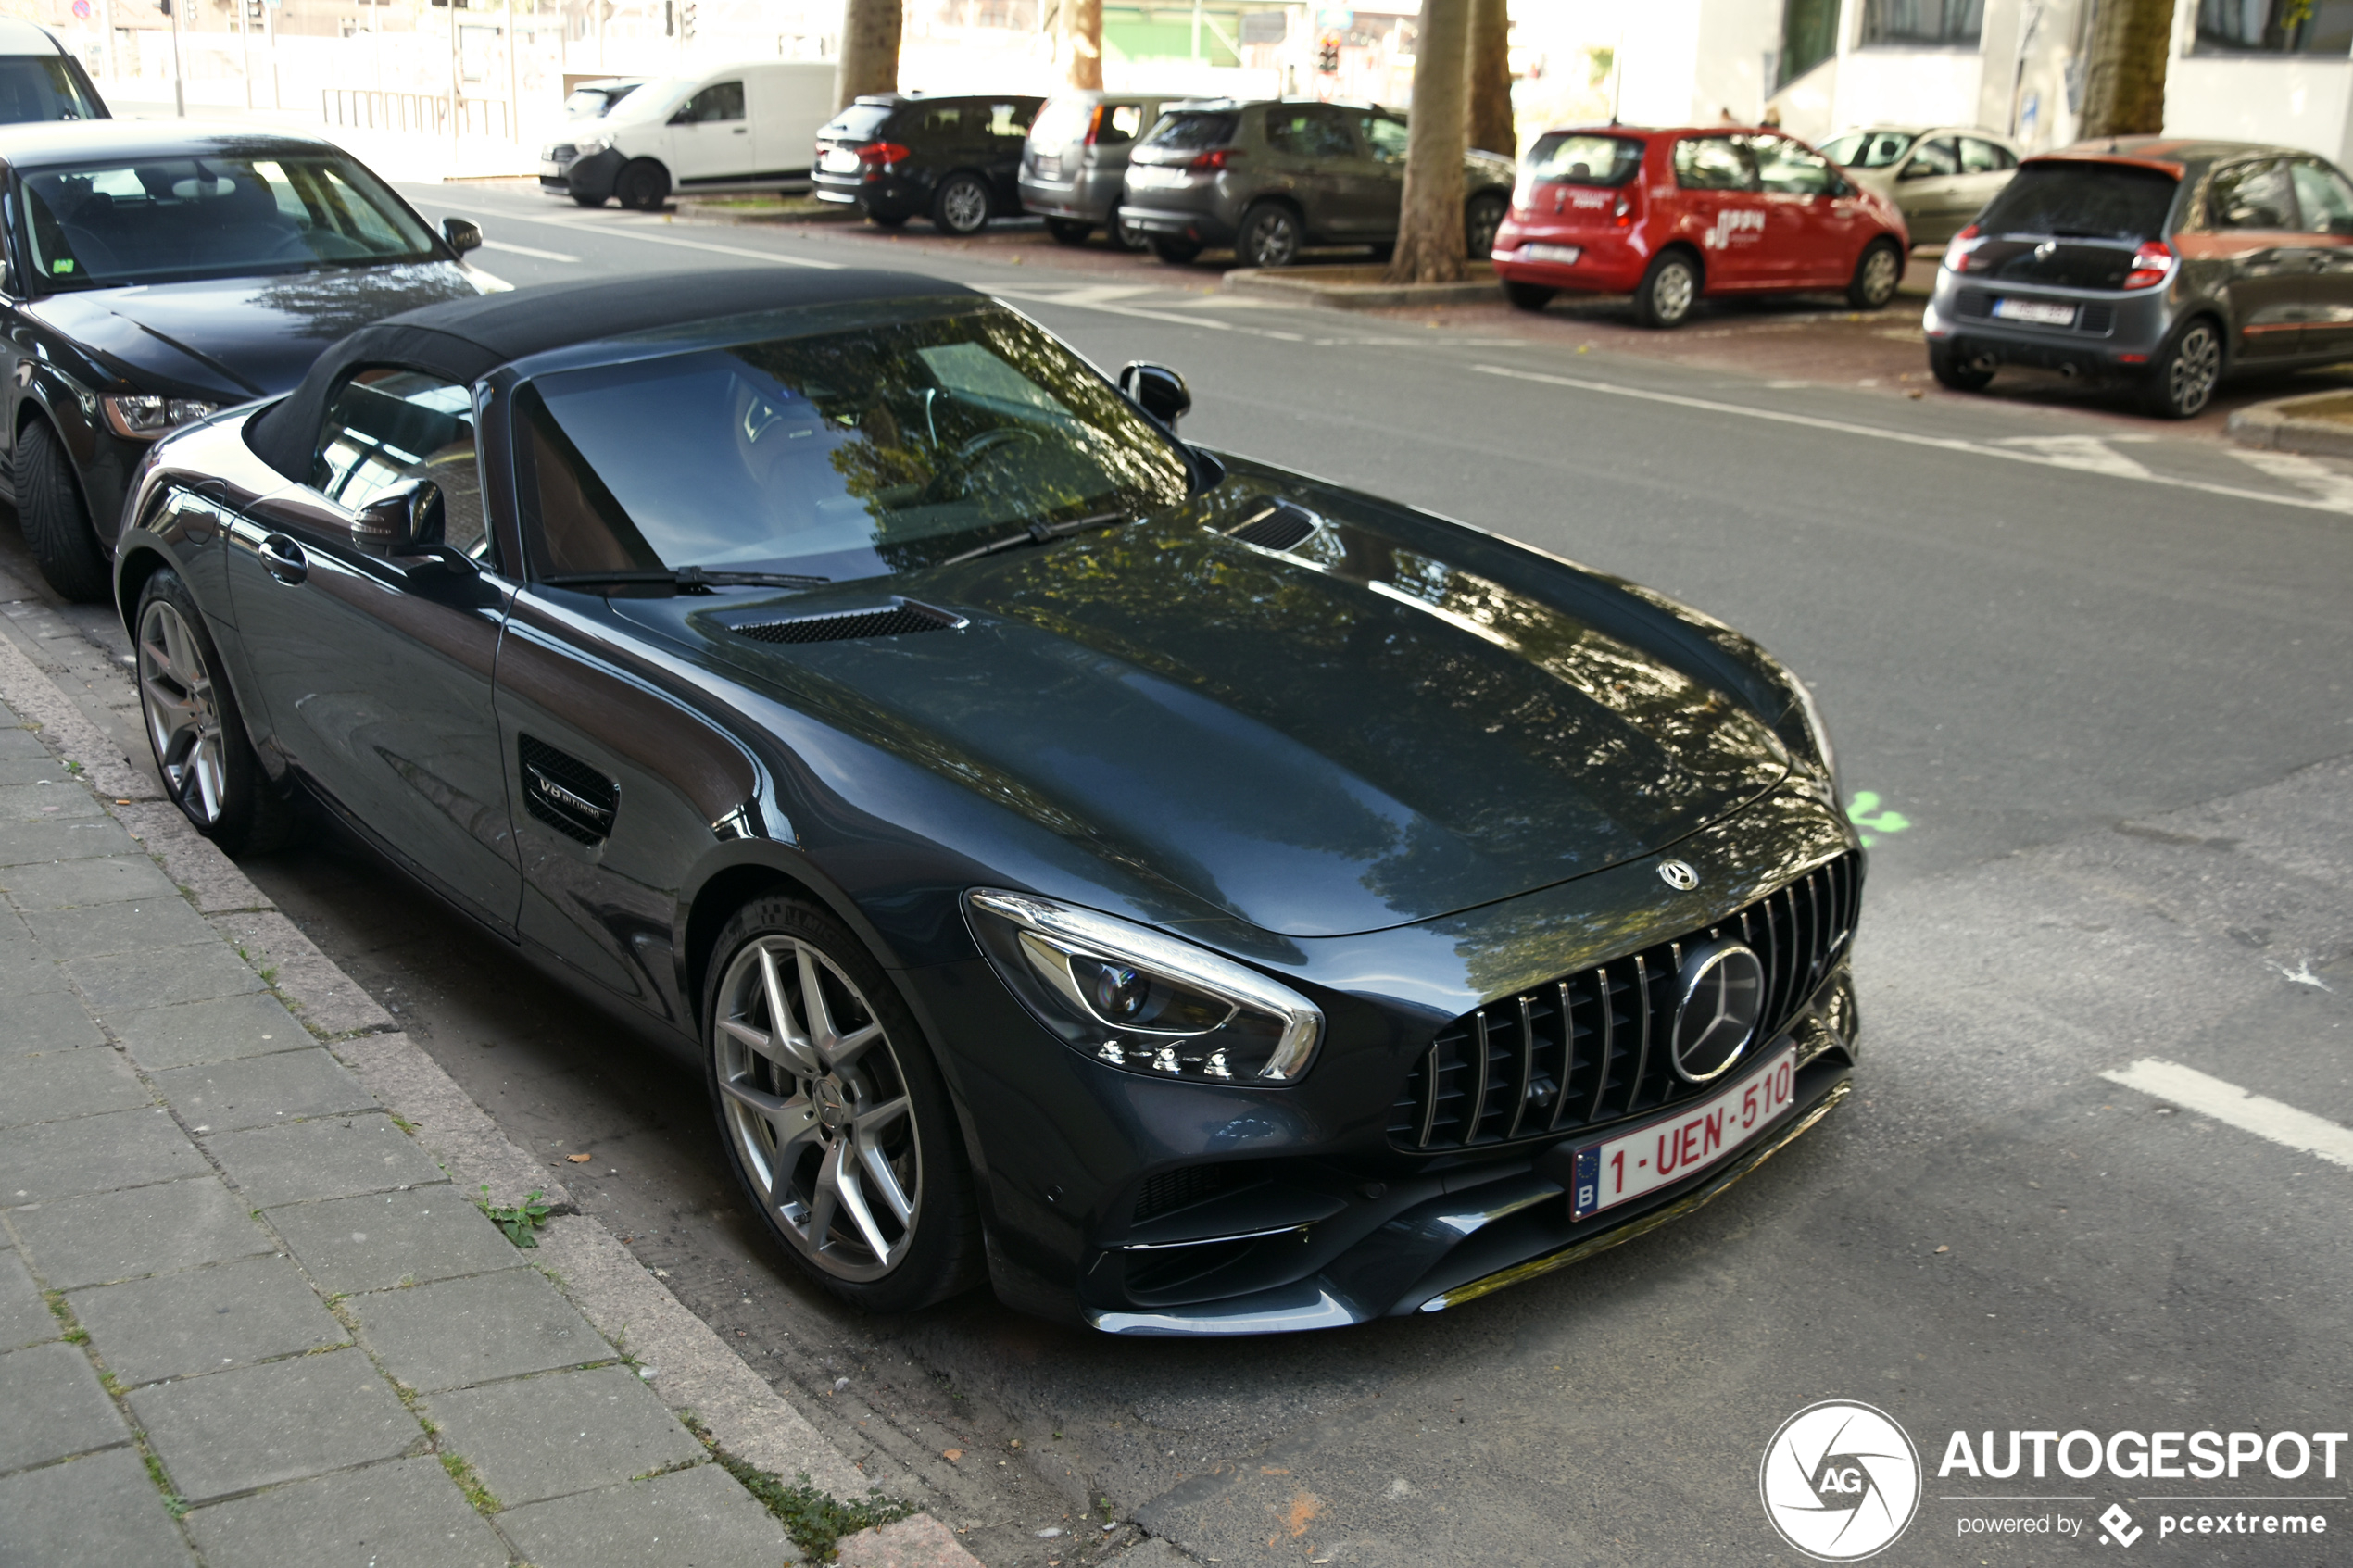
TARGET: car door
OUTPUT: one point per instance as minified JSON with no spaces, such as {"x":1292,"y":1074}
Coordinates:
{"x":1927,"y":190}
{"x":1007,"y":131}
{"x":1724,"y":211}
{"x":375,"y":675}
{"x":1986,"y":167}
{"x":1383,"y":136}
{"x":2324,"y":205}
{"x":2253,"y":227}
{"x":711,"y":135}
{"x":1812,"y":235}
{"x":1313,"y":160}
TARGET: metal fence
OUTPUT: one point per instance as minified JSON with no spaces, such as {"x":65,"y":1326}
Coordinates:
{"x":366,"y":109}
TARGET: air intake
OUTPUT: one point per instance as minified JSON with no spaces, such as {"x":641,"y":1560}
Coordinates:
{"x":889,"y":620}
{"x":1278,"y":526}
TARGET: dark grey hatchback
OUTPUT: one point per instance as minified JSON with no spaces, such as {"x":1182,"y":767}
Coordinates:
{"x":2167,"y":262}
{"x":1272,"y":178}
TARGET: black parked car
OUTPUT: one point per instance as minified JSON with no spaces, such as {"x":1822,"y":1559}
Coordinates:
{"x":954,"y":161}
{"x":918,"y":763}
{"x":1271,"y":178}
{"x":2161,"y":262}
{"x":156,"y":272}
{"x":40,"y":78}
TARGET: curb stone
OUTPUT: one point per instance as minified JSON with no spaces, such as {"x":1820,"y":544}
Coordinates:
{"x":678,"y":1355}
{"x":1358,"y":287}
{"x":2319,"y":424}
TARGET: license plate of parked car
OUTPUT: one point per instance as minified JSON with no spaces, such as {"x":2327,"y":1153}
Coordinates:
{"x":2034,"y":311}
{"x":1694,"y":1136}
{"x":838,"y":160}
{"x":1562,"y":254}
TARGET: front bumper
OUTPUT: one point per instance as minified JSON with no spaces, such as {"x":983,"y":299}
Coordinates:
{"x":2113,"y":332}
{"x":591,"y":176}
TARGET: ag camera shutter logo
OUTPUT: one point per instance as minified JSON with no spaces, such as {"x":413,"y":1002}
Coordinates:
{"x":1840,"y":1481}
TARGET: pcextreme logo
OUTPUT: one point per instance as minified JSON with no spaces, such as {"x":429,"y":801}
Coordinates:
{"x":1840,"y":1481}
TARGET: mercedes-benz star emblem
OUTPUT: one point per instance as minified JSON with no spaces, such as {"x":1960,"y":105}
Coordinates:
{"x":1722,"y":987}
{"x":2047,"y":250}
{"x":1679,"y":875}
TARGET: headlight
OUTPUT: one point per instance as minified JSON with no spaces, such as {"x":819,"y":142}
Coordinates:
{"x":1130,"y":996}
{"x":142,"y":417}
{"x":589,"y":146}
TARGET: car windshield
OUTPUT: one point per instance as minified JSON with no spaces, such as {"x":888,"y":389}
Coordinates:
{"x":591,"y":103}
{"x":840,"y":454}
{"x":2088,"y":200}
{"x":168,"y":220}
{"x":858,"y":122}
{"x":1187,"y":130}
{"x":41,"y":87}
{"x":1564,"y":157}
{"x":1869,"y":149}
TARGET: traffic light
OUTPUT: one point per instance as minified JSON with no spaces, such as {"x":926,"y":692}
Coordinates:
{"x":1327,"y":53}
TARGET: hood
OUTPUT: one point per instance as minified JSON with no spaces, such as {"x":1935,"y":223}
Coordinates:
{"x":1348,"y":735}
{"x":242,"y":337}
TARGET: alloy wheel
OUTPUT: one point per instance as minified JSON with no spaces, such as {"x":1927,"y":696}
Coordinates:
{"x":818,"y":1108}
{"x":183,"y":717}
{"x":1881,"y":273}
{"x":1273,"y":239}
{"x":1672,"y":294}
{"x":964,"y":205}
{"x":2195,"y":366}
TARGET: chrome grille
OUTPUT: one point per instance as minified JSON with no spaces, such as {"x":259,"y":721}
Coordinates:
{"x":1593,"y":1047}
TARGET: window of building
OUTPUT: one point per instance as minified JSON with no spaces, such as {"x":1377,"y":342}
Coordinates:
{"x":1809,"y":36}
{"x":2275,"y":27}
{"x":1918,"y":24}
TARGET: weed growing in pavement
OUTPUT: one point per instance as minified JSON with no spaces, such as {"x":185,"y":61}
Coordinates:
{"x":172,"y":1502}
{"x":518,"y":1220}
{"x":469,"y":1484}
{"x":75,"y":1334}
{"x":815,"y":1520}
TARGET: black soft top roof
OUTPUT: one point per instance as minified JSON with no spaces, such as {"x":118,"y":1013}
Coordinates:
{"x":463,"y":340}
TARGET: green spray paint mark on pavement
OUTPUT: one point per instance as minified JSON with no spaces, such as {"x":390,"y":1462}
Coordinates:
{"x":1865,"y":813}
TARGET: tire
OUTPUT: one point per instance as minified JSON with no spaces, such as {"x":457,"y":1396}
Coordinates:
{"x":642,"y":184}
{"x":1950,"y":370}
{"x":1482,"y":215}
{"x":2185,"y":373}
{"x":1669,"y":288}
{"x":1134,"y":241}
{"x":1271,"y":236}
{"x":1176,"y":253}
{"x":582,"y":198}
{"x":1068,"y":231}
{"x":961,"y":206}
{"x":888,"y":220}
{"x":860,"y":1090}
{"x":57,"y":523}
{"x":196,"y":727}
{"x":1877,"y":272}
{"x":1528,"y":297}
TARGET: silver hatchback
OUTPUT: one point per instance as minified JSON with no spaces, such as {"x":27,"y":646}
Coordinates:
{"x":1076,"y":161}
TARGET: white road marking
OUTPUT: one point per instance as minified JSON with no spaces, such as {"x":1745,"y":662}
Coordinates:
{"x":526,"y":250}
{"x":2090,"y":453}
{"x":2333,"y":489}
{"x":1906,"y":437}
{"x":634,"y":229}
{"x":1061,"y":296}
{"x":2193,"y":1091}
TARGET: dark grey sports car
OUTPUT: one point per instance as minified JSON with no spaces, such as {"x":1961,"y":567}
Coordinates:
{"x":1195,"y":897}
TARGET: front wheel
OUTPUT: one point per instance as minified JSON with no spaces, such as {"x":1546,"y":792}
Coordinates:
{"x":56,"y":522}
{"x":195,"y":729}
{"x":643,"y":185}
{"x":1482,"y":215}
{"x":2182,"y":378}
{"x":961,"y":205}
{"x":1271,"y":236}
{"x":1528,"y":297}
{"x":833,"y":1115}
{"x":1068,"y":231}
{"x":1668,"y":290}
{"x":1878,"y":271}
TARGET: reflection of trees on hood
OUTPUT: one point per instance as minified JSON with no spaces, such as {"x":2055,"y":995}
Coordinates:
{"x":333,"y":304}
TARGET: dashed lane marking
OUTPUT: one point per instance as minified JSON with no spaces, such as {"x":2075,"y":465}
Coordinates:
{"x":2227,"y":1103}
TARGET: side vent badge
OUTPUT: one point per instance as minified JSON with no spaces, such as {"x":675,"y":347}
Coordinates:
{"x":566,"y":793}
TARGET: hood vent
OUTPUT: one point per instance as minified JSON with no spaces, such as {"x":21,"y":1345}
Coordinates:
{"x":887,"y":620}
{"x":1278,"y":525}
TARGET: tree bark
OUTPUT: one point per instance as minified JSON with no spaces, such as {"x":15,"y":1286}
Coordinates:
{"x":1491,"y":77}
{"x":1429,"y":231}
{"x":868,"y":49}
{"x":1086,"y":43}
{"x":2125,"y":75}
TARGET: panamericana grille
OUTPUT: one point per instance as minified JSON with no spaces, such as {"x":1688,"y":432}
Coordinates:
{"x":1594,"y":1046}
{"x":895,"y":621}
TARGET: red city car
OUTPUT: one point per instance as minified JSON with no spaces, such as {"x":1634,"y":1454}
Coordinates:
{"x":1668,"y":216}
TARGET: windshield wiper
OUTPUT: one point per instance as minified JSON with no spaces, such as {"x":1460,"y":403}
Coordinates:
{"x":1037,"y":533}
{"x":687,"y":578}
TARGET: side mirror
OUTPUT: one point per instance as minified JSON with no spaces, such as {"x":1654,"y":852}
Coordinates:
{"x":407,"y":522}
{"x":1916,"y":170}
{"x":463,"y":234}
{"x":1157,"y":390}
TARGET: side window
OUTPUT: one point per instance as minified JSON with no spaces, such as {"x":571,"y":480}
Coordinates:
{"x":1385,"y":136}
{"x":720,"y":100}
{"x":1121,"y":124}
{"x":943,"y":120}
{"x":1985,"y":157}
{"x":1932,"y":160}
{"x":1309,"y":130}
{"x":1713,"y":163}
{"x":1010,"y":121}
{"x":2324,"y":197}
{"x":1783,"y":165}
{"x":2252,"y":196}
{"x":388,"y":427}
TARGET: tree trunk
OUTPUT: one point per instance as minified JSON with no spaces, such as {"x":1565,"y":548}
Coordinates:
{"x":1086,"y":43}
{"x":868,"y":49}
{"x":1429,"y":231}
{"x":2124,"y":76}
{"x":1491,"y":77}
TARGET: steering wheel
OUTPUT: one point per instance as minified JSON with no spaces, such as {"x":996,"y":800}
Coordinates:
{"x":967,"y":456}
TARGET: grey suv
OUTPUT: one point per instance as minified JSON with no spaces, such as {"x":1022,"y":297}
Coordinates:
{"x":1075,"y":162}
{"x":1272,"y":178}
{"x":2166,"y":261}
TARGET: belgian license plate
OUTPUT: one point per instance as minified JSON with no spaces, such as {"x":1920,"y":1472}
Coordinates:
{"x":1694,"y":1136}
{"x":1562,"y":254}
{"x":2035,"y":311}
{"x":838,"y":160}
{"x":1049,"y":168}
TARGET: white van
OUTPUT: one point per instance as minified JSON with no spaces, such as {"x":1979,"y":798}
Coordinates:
{"x":748,"y":124}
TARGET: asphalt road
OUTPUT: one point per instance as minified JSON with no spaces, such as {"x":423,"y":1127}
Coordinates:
{"x":2089,"y":685}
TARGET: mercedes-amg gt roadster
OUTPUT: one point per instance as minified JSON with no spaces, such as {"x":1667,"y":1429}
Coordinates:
{"x":1194,"y":897}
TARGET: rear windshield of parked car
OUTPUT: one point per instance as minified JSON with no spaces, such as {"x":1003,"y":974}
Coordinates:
{"x":1061,"y":123}
{"x":2083,"y":200}
{"x":1564,"y":157}
{"x":858,"y":122}
{"x":1190,"y":132}
{"x":42,"y":87}
{"x":165,"y":219}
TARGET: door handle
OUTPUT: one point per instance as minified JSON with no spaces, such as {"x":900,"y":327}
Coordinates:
{"x":742,"y":132}
{"x":282,"y":558}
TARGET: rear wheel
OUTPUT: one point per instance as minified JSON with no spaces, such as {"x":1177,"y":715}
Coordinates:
{"x":1668,"y":290}
{"x":1176,"y":253}
{"x":1528,"y":297}
{"x":961,"y":205}
{"x":1068,"y":231}
{"x":56,"y":522}
{"x":196,"y":728}
{"x":1946,"y":363}
{"x":643,"y":185}
{"x":582,"y":198}
{"x":834,"y":1114}
{"x":1271,"y":236}
{"x":1482,"y":215}
{"x":1877,"y":272}
{"x":2184,"y":373}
